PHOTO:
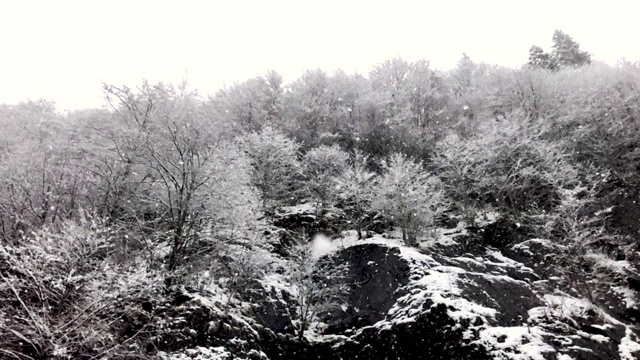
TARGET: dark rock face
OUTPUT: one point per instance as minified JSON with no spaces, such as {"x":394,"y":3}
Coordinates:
{"x":375,"y":274}
{"x":489,"y":298}
{"x":503,"y":232}
{"x":434,"y":335}
{"x":189,"y":323}
{"x":271,"y":308}
{"x":539,"y":255}
{"x":513,"y":298}
{"x":584,"y":337}
{"x":296,"y":224}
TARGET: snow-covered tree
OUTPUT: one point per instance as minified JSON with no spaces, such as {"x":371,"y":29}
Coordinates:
{"x":194,"y":179}
{"x":232,"y":199}
{"x":250,"y":104}
{"x":322,"y":165}
{"x":507,"y":165}
{"x":313,"y":107}
{"x":355,"y":186}
{"x":567,"y":52}
{"x":319,"y":286}
{"x":411,"y":94}
{"x":62,"y":289}
{"x":409,"y":196}
{"x":275,"y":162}
{"x":43,"y":176}
{"x":540,"y":59}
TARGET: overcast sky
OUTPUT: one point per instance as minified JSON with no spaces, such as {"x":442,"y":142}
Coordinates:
{"x":63,"y":50}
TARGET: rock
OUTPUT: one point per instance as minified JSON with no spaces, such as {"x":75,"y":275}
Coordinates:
{"x":376,"y":273}
{"x":502,"y":232}
{"x":271,"y":307}
{"x":407,"y":303}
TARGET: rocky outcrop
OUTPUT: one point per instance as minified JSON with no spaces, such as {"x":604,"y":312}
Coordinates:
{"x":440,"y":302}
{"x":375,"y":275}
{"x":487,"y":306}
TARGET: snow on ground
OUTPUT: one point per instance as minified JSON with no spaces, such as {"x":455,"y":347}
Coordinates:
{"x":604,"y":211}
{"x":443,"y":236}
{"x":593,"y":337}
{"x":517,"y":342}
{"x":277,"y":281}
{"x":559,"y":307}
{"x":628,"y":346}
{"x":564,"y":357}
{"x":503,"y":261}
{"x":524,"y":246}
{"x":603,"y":261}
{"x":527,"y":342}
{"x":308,"y":208}
{"x":211,"y":353}
{"x":214,"y":303}
{"x":484,"y":219}
{"x":199,"y":353}
{"x":627,"y":295}
{"x":350,"y":238}
{"x":429,"y":280}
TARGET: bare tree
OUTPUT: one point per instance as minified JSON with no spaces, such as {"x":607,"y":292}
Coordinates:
{"x":409,"y":196}
{"x":275,"y":164}
{"x":192,"y":171}
{"x":320,"y":286}
{"x":322,"y":165}
{"x":355,"y":184}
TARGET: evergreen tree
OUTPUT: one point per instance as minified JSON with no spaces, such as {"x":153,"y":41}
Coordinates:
{"x":567,"y":52}
{"x":540,"y":59}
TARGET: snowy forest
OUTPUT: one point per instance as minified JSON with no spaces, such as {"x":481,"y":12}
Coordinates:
{"x":477,"y":213}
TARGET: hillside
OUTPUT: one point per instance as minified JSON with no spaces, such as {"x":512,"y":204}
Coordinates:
{"x":479,"y":213}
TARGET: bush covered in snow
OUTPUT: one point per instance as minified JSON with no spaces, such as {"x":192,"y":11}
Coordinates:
{"x":408,"y":196}
{"x":63,"y":294}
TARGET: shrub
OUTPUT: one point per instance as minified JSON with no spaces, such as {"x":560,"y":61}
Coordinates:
{"x":409,"y":196}
{"x":61,"y":296}
{"x":506,"y":165}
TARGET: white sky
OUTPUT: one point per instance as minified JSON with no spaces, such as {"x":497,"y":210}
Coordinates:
{"x":63,"y":50}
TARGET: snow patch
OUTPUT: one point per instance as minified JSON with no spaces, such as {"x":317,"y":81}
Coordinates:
{"x":605,"y":262}
{"x":444,"y":236}
{"x":350,"y":238}
{"x":604,"y":211}
{"x":560,"y":307}
{"x":277,"y":281}
{"x":564,"y":357}
{"x":517,"y":343}
{"x":627,"y":295}
{"x":525,"y":246}
{"x":593,"y":337}
{"x":308,"y":209}
{"x":487,"y":218}
{"x":504,"y":261}
{"x":628,"y":346}
{"x":199,"y":353}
